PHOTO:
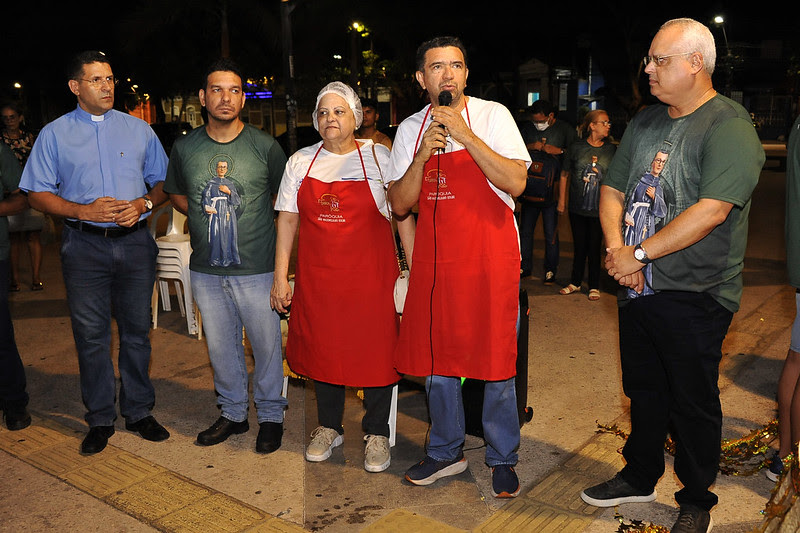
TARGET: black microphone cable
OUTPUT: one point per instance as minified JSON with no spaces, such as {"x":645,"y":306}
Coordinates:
{"x":445,"y":99}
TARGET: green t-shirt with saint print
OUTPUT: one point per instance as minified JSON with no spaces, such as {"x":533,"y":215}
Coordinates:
{"x":714,"y":152}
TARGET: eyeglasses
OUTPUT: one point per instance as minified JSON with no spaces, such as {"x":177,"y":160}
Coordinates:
{"x":99,"y":82}
{"x":603,"y":122}
{"x":660,"y":60}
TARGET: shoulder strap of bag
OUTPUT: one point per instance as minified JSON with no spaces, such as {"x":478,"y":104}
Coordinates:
{"x":388,"y":207}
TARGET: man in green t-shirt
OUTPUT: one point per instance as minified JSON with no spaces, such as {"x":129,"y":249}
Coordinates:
{"x":672,"y":322}
{"x":223,"y":177}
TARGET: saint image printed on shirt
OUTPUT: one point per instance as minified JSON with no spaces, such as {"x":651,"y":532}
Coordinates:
{"x":646,"y":208}
{"x":220,"y":201}
{"x":592,"y":176}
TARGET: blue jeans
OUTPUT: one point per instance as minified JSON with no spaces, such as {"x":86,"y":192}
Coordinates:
{"x":529,"y":214}
{"x":107,"y":277}
{"x":500,"y":420}
{"x":228,"y":303}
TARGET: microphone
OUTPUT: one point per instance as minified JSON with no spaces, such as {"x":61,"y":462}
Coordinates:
{"x":445,"y":99}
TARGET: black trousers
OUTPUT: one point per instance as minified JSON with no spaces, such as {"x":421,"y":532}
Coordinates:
{"x":377,"y":403}
{"x":670,"y":348}
{"x":587,"y":237}
{"x":12,"y":373}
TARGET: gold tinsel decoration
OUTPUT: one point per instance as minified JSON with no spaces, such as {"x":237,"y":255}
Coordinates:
{"x":781,"y":515}
{"x":637,"y":526}
{"x":738,"y":457}
{"x":744,"y":456}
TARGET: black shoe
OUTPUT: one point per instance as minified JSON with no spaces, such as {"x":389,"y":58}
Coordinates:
{"x":549,"y":277}
{"x":693,"y":520}
{"x":17,"y":418}
{"x":524,"y":273}
{"x":221,"y":430}
{"x":96,"y":440}
{"x":149,"y":429}
{"x":614,"y":492}
{"x":269,"y":437}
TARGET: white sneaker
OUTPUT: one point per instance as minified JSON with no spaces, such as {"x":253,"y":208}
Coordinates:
{"x":376,"y":453}
{"x":323,"y":441}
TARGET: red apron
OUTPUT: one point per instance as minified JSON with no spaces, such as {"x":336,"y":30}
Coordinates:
{"x":464,"y":281}
{"x":343,"y":326}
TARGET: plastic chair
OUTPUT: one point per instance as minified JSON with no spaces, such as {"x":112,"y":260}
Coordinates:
{"x":172,"y":264}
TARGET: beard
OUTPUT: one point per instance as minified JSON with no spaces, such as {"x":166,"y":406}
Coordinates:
{"x":223,"y":117}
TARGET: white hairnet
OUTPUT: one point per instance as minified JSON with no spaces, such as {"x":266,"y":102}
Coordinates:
{"x":346,"y":92}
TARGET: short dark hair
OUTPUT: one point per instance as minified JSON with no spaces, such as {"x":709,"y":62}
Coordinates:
{"x":369,"y":102}
{"x":223,"y":64}
{"x":75,"y":67}
{"x":438,"y":42}
{"x":542,"y":106}
{"x":16,"y":107}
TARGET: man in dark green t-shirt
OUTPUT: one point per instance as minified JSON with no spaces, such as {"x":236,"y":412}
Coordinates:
{"x":698,"y":157}
{"x":223,"y":177}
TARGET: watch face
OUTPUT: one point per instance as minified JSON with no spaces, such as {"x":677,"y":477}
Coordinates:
{"x":638,"y":254}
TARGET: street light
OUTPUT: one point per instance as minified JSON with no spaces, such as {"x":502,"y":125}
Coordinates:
{"x":288,"y":65}
{"x":356,"y":28}
{"x":719,"y":20}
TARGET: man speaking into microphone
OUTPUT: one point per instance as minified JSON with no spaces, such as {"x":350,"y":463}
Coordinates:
{"x":461,"y":159}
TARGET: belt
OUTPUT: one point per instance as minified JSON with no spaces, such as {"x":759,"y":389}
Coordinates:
{"x":112,"y":232}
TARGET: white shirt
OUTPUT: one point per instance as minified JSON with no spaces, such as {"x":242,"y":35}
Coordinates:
{"x":490,"y":121}
{"x":329,"y":167}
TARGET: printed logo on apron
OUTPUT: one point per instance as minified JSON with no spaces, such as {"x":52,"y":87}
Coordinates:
{"x":334,"y":209}
{"x":438,"y":177}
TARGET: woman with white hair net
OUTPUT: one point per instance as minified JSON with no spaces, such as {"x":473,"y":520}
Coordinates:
{"x":343,"y":325}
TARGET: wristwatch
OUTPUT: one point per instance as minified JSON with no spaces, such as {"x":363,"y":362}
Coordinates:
{"x":148,"y":203}
{"x":640,"y":254}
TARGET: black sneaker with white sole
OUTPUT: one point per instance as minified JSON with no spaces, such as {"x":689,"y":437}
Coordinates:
{"x":614,"y":492}
{"x":429,"y":469}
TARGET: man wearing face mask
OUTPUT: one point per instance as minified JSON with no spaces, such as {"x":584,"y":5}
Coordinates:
{"x":547,"y":138}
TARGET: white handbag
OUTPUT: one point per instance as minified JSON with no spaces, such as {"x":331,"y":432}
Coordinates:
{"x":400,"y":291}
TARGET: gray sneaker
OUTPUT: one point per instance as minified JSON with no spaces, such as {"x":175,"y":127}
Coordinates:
{"x":693,"y":520}
{"x":376,"y":453}
{"x":614,"y":492}
{"x":323,"y":441}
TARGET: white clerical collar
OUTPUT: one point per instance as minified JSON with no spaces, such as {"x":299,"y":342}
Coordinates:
{"x":97,"y":118}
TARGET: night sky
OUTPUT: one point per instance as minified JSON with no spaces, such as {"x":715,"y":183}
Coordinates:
{"x":166,"y":43}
